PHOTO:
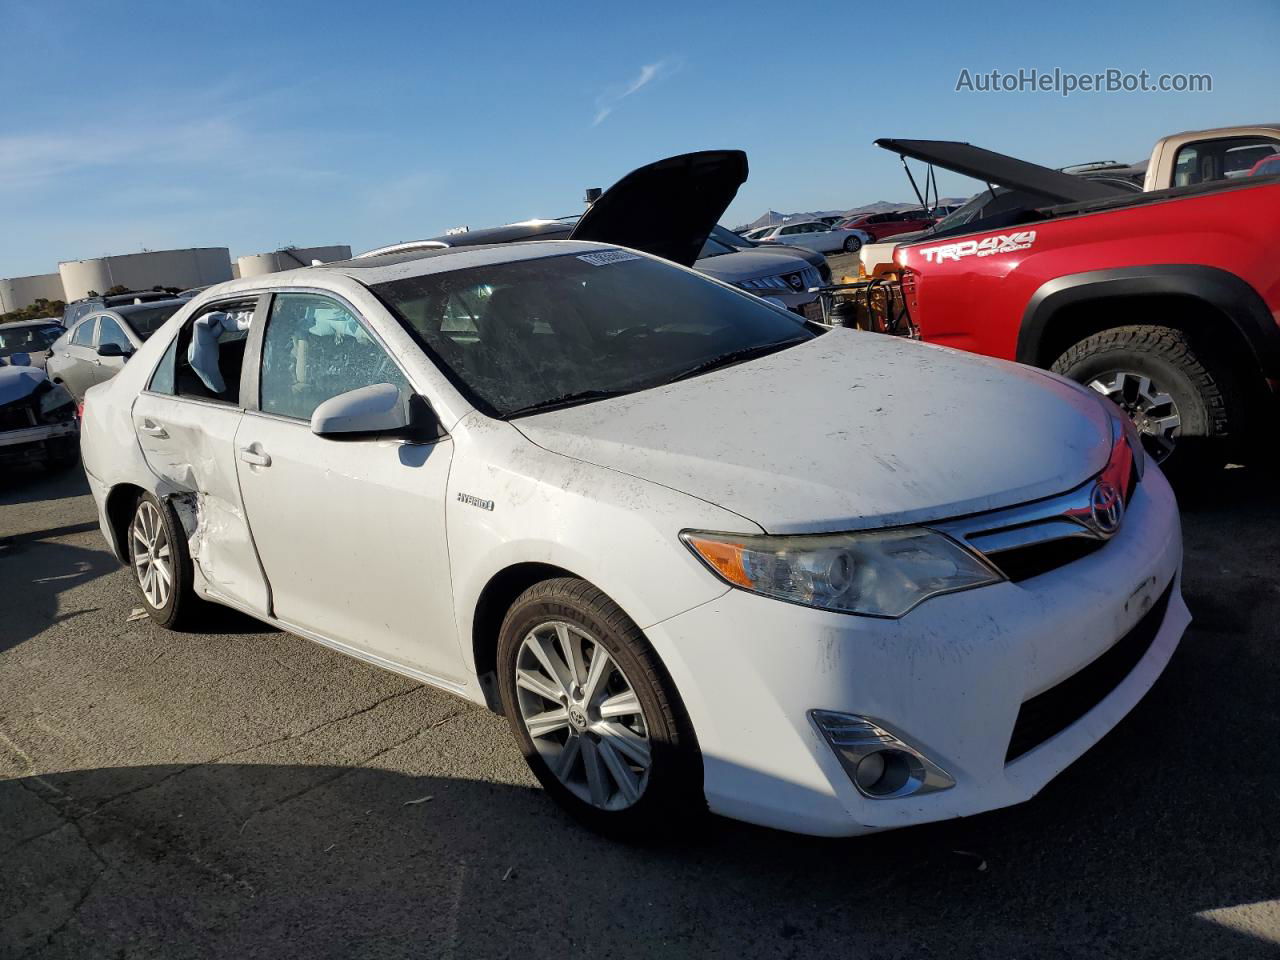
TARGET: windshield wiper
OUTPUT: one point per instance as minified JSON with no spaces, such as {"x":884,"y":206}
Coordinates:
{"x":564,"y":400}
{"x":735,"y":356}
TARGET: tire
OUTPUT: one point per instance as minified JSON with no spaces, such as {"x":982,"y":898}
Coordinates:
{"x":176,"y":606}
{"x":852,"y":244}
{"x":664,"y":795}
{"x":1202,"y":393}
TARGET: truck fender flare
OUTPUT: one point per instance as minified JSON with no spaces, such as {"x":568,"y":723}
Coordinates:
{"x":1227,"y":292}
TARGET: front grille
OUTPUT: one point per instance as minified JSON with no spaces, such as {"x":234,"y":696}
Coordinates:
{"x":1047,"y":714}
{"x":1023,"y":563}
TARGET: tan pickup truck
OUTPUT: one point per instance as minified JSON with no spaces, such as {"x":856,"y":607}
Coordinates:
{"x":1202,"y":156}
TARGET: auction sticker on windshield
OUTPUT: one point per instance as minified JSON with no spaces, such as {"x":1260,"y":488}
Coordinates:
{"x":600,"y":258}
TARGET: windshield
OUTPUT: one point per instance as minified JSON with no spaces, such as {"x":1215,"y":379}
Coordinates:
{"x":148,"y":321}
{"x":516,"y":336}
{"x":28,"y":339}
{"x":714,"y":248}
{"x":729,"y":238}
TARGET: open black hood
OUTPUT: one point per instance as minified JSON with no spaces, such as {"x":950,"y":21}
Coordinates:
{"x":1053,"y":186}
{"x":667,"y":208}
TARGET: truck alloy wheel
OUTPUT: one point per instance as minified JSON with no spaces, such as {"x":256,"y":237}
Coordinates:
{"x":1151,"y":409}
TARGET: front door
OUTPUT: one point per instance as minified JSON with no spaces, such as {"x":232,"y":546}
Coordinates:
{"x":350,"y":532}
{"x":186,"y":425}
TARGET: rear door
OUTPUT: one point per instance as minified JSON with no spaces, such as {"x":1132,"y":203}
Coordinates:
{"x":74,"y":364}
{"x":186,"y":421}
{"x":104,"y":368}
{"x":350,"y":532}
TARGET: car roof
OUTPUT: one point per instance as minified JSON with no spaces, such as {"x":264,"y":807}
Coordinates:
{"x":412,"y":263}
{"x":127,"y":309}
{"x":37,"y":322}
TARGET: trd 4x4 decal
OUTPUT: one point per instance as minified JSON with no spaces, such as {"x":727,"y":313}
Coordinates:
{"x":1000,"y":243}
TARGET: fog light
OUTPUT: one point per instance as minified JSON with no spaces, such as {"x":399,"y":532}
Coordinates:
{"x":880,"y":764}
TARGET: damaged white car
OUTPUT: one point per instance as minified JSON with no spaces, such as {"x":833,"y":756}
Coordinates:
{"x":607,"y":496}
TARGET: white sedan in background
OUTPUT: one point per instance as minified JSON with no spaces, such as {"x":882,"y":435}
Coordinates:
{"x":815,"y":235}
{"x":586,"y":487}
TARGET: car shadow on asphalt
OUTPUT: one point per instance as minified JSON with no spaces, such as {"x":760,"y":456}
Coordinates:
{"x":33,"y":483}
{"x":39,"y":572}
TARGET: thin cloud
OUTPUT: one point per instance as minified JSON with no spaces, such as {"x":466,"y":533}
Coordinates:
{"x":607,"y":101}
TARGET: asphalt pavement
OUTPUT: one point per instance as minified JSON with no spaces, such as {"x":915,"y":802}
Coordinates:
{"x":240,"y":792}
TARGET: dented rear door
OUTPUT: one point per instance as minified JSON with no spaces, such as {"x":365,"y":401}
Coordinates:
{"x":188,"y":442}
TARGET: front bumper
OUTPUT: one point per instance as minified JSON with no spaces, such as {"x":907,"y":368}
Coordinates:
{"x":950,"y":676}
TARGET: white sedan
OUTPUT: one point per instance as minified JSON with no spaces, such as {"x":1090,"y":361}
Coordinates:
{"x":815,"y":235}
{"x":602,"y":494}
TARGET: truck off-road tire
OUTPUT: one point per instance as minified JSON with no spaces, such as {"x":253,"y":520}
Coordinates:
{"x":161,"y":564}
{"x":595,"y":713}
{"x":1181,"y":396}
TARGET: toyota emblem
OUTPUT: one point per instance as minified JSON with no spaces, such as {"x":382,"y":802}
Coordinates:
{"x":795,"y":280}
{"x":1106,"y":506}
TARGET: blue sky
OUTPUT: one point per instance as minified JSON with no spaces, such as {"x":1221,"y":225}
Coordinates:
{"x":255,"y":125}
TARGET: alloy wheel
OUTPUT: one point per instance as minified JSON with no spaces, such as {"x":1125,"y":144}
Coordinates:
{"x":1152,"y":410}
{"x":583,"y":715}
{"x":152,"y":554}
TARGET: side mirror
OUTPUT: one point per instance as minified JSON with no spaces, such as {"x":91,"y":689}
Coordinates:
{"x":380,"y":410}
{"x":113,"y":350}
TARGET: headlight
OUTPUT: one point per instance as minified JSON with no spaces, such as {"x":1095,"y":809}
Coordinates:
{"x":877,"y":574}
{"x":765,"y":283}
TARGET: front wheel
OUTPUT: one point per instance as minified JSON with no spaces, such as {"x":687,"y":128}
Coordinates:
{"x":1182,"y":399}
{"x":595,"y":714}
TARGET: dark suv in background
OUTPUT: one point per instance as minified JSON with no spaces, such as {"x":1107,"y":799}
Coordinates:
{"x":87,"y":305}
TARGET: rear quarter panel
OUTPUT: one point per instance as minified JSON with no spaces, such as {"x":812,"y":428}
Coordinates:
{"x":976,"y":302}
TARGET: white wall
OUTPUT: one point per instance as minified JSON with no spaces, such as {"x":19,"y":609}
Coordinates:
{"x":193,"y":267}
{"x":19,"y":292}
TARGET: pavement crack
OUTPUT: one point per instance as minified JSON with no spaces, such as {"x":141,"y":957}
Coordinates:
{"x":186,"y":768}
{"x":339,"y":774}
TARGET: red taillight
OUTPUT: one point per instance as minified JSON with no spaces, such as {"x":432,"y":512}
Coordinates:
{"x":80,"y":410}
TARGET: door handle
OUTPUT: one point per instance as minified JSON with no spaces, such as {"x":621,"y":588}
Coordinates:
{"x":255,"y":458}
{"x":153,"y":429}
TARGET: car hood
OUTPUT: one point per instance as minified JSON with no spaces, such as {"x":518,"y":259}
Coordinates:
{"x":750,"y":264}
{"x":1053,"y":186}
{"x":667,"y":208}
{"x":18,"y":383}
{"x":847,"y":431}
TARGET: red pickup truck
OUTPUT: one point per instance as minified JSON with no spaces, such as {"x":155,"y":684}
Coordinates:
{"x":1168,"y":302}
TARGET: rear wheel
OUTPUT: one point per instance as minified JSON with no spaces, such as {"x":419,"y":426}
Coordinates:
{"x":594,"y":713}
{"x":160,"y":562}
{"x":1182,"y":398}
{"x":852,"y":244}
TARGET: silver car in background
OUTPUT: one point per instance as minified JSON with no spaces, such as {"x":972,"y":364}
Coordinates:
{"x":96,"y":348}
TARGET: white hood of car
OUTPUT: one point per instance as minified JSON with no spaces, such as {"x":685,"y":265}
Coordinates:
{"x":848,"y":431}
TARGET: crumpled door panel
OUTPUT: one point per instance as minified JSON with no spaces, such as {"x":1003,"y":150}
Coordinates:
{"x":190,"y":446}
